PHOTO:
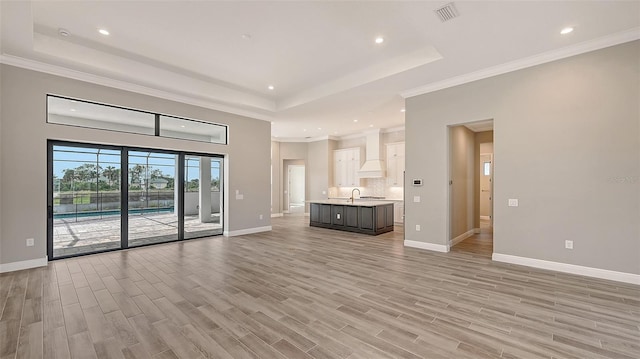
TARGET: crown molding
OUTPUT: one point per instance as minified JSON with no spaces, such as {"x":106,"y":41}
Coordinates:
{"x":304,"y":139}
{"x":123,"y":85}
{"x":392,"y":129}
{"x":573,"y":50}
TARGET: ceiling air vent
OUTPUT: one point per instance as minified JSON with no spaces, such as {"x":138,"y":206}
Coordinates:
{"x":447,"y":12}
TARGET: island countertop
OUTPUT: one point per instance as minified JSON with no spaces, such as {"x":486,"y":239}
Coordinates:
{"x":356,"y":203}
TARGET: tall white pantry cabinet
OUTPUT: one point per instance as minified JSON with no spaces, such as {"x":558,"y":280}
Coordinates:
{"x":346,"y":163}
{"x":395,"y":164}
{"x":395,"y":175}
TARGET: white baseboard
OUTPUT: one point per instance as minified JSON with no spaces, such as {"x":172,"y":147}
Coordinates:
{"x":241,"y":232}
{"x":428,"y":246}
{"x":462,"y":237}
{"x":485,"y":217}
{"x":31,"y":263}
{"x":273,"y":215}
{"x":569,"y":268}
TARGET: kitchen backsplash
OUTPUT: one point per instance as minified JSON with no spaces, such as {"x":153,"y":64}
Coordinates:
{"x":375,"y":187}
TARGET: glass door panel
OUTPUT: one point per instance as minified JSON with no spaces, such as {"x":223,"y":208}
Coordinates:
{"x":86,"y":200}
{"x":152,"y":198}
{"x":202,"y":196}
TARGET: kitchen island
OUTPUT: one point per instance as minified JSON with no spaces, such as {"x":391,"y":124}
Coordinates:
{"x":368,"y":217}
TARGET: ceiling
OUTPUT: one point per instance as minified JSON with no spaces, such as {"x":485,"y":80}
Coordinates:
{"x":330,"y":78}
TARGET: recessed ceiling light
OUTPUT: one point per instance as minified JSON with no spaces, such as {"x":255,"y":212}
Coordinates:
{"x":270,"y":87}
{"x":379,"y":40}
{"x":355,"y":120}
{"x":370,"y":125}
{"x":73,"y":110}
{"x":246,"y":36}
{"x":566,"y":30}
{"x":319,"y":128}
{"x":63,"y":32}
{"x":305,"y":130}
{"x":403,"y":110}
{"x":104,"y":32}
{"x":182,"y":126}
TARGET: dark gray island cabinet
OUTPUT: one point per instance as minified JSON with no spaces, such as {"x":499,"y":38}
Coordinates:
{"x":368,"y":217}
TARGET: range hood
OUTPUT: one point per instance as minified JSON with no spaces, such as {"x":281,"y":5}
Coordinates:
{"x":373,"y":166}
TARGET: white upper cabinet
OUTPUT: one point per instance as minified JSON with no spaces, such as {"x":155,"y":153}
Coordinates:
{"x":395,"y":164}
{"x":346,"y":163}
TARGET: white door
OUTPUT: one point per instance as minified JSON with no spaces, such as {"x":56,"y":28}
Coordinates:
{"x":486,"y":186}
{"x":296,"y":189}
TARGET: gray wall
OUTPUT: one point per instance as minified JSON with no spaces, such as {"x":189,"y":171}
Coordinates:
{"x":319,"y":168}
{"x":567,"y":145}
{"x":461,"y":190}
{"x":23,"y":140}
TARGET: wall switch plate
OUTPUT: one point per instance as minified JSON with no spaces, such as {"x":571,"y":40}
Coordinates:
{"x":30,"y":242}
{"x":337,"y":215}
{"x":568,"y":244}
{"x":513,"y":202}
{"x":417,"y":227}
{"x":260,"y":216}
{"x":416,"y":198}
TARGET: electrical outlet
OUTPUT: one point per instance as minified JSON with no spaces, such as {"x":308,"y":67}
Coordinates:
{"x":513,"y":202}
{"x":417,"y":227}
{"x":416,"y":198}
{"x":568,"y":244}
{"x":30,"y":242}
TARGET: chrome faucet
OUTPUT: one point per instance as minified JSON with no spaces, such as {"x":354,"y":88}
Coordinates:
{"x":352,"y":196}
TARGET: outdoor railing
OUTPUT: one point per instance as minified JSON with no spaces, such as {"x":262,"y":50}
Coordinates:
{"x":94,"y":205}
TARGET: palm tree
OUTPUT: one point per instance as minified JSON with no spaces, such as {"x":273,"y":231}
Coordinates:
{"x":111,"y":174}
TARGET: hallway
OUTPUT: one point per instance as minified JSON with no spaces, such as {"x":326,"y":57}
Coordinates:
{"x":480,"y":244}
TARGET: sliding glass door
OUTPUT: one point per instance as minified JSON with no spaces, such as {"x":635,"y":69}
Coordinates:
{"x":202,"y":196}
{"x":85,"y":202}
{"x":153,"y":216}
{"x":105,"y":197}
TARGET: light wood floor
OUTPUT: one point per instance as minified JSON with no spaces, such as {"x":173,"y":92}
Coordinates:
{"x":481,"y":244}
{"x":302,"y":292}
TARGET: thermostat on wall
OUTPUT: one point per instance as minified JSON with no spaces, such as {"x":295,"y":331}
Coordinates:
{"x":417,"y":182}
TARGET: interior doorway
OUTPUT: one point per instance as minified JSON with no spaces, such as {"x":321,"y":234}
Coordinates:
{"x":486,"y":187}
{"x":471,"y":188}
{"x":296,"y":188}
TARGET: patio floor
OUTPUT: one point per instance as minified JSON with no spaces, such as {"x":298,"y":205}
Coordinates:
{"x":91,"y":234}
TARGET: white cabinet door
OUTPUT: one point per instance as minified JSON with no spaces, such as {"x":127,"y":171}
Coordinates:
{"x":395,"y":164}
{"x":346,"y":164}
{"x":339,"y":168}
{"x":398,"y":212}
{"x":353,"y":166}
